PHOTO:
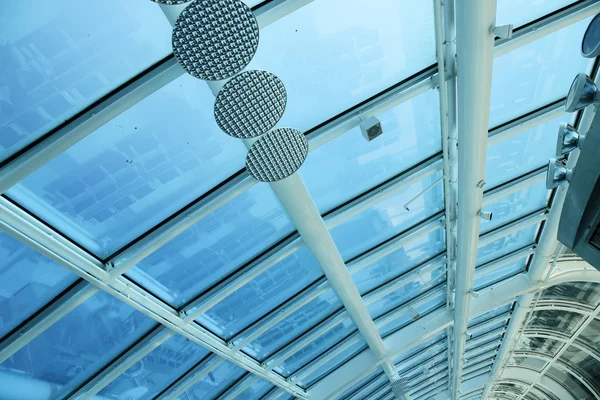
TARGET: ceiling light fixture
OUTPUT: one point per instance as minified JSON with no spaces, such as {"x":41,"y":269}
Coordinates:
{"x":582,"y":93}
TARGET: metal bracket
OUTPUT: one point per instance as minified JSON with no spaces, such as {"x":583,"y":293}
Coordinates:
{"x":502,"y":31}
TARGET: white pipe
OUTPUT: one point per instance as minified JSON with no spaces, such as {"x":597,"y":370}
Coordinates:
{"x":301,"y":209}
{"x":475,"y":53}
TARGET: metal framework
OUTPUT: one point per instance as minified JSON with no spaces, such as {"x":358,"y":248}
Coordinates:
{"x":455,"y":372}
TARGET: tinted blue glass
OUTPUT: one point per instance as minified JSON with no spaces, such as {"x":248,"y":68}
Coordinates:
{"x":500,"y":274}
{"x":333,"y":54}
{"x":58,"y":57}
{"x":522,"y":153}
{"x":490,"y":314}
{"x":411,"y":133}
{"x":415,"y":251}
{"x":263,"y":294}
{"x":215,"y":382}
{"x":136,"y":170}
{"x":388,"y":218}
{"x":257,"y":390}
{"x":81,"y":343}
{"x":361,"y":383}
{"x":507,"y":244}
{"x":316,"y":348}
{"x":484,"y":328}
{"x":333,"y":364}
{"x":513,"y":12}
{"x":155,"y":372}
{"x":537,"y":74}
{"x":214,"y":247}
{"x":431,"y":346}
{"x":514,"y":206}
{"x":422,"y":361}
{"x":408,"y":291}
{"x":419,"y":311}
{"x":294,"y":325}
{"x":28,"y":281}
{"x":475,"y":342}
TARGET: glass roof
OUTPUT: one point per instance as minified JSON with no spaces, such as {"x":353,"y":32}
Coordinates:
{"x":140,"y":260}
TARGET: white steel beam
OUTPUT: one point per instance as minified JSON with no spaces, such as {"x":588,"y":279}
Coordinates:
{"x":53,"y":245}
{"x":475,"y":54}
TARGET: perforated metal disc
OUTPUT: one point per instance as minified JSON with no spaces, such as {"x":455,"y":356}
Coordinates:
{"x":277,"y":154}
{"x":170,"y":2}
{"x":215,"y":39}
{"x":250,"y":104}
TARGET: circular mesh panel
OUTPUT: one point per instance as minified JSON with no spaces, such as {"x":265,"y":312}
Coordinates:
{"x":215,"y":39}
{"x":250,"y":104}
{"x":170,"y":2}
{"x":277,"y":154}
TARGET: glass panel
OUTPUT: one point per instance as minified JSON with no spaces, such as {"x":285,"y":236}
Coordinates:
{"x":514,"y":12}
{"x":537,"y":74}
{"x":490,"y":314}
{"x":333,"y":364}
{"x":484,"y":328}
{"x":570,"y":382}
{"x":257,"y":390}
{"x":480,"y":361}
{"x":362,"y":383}
{"x":262,"y":295}
{"x":544,"y":393}
{"x":214,"y":247}
{"x":500,"y":274}
{"x":316,"y":348}
{"x":514,"y":206}
{"x":155,"y":372}
{"x":419,"y":311}
{"x":388,"y":218}
{"x":411,"y":133}
{"x":507,"y":244}
{"x":215,"y":382}
{"x":294,"y":326}
{"x":542,"y":345}
{"x":591,"y":334}
{"x":522,"y":153}
{"x":416,"y":250}
{"x":58,"y":58}
{"x":28,"y":281}
{"x":432,"y":347}
{"x":136,"y":170}
{"x":408,"y":291}
{"x":484,"y":340}
{"x":333,"y":54}
{"x":80,"y":344}
{"x":561,"y":321}
{"x":582,"y":361}
{"x":587,"y":293}
{"x":421,"y":363}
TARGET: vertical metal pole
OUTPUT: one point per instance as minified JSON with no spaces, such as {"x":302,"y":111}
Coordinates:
{"x":475,"y":53}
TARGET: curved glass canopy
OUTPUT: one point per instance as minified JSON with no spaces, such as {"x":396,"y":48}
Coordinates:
{"x":139,"y":260}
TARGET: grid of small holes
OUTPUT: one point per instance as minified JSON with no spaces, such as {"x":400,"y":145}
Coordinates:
{"x":170,"y":2}
{"x":277,"y":155}
{"x":400,"y":386}
{"x":215,"y":39}
{"x":250,"y":104}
